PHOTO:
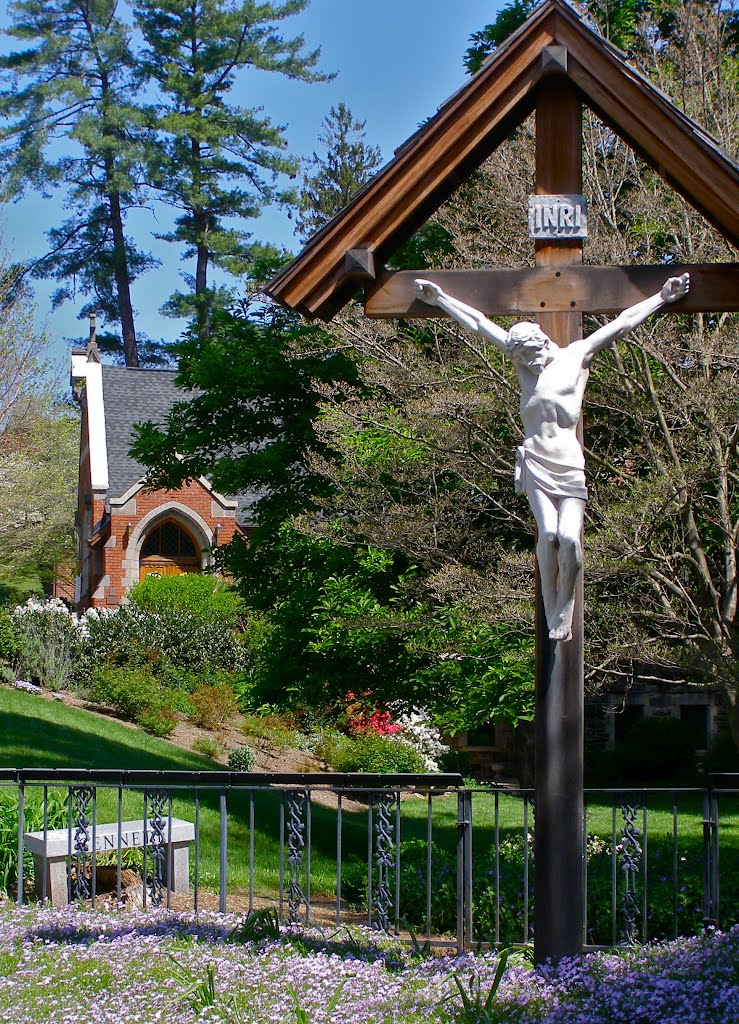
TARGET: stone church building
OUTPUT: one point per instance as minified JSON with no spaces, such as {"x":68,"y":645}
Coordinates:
{"x":126,"y":532}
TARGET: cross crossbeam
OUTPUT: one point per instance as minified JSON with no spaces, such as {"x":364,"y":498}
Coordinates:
{"x":554,"y":289}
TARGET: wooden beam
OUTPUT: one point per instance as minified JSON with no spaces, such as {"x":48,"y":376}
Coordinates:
{"x":561,"y":289}
{"x":559,"y":717}
{"x":421,"y":176}
{"x":683,"y":153}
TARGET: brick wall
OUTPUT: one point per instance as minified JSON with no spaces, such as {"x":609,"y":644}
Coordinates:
{"x":193,"y":506}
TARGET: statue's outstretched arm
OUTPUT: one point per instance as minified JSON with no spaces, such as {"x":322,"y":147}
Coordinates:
{"x":465,"y":315}
{"x":672,"y":290}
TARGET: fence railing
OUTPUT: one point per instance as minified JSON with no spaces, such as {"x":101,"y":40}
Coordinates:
{"x":418,"y":855}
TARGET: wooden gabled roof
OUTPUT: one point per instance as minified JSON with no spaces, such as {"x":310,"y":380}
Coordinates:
{"x":466,"y":129}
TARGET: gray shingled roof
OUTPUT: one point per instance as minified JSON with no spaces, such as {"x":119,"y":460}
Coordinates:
{"x":132,"y":395}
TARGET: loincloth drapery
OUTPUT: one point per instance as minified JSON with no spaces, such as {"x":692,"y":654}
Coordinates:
{"x":551,"y":477}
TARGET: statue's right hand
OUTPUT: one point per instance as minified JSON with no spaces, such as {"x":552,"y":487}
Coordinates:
{"x":427,"y":291}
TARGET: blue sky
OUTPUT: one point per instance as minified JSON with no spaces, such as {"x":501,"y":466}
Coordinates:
{"x":396,"y":61}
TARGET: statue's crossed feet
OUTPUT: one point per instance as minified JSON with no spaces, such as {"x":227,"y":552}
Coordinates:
{"x":561,"y":631}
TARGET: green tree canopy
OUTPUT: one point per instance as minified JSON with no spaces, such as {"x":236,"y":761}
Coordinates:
{"x":75,"y":82}
{"x":216,"y":163}
{"x":331,"y":179}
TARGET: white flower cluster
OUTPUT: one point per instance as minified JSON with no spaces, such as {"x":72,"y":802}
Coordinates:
{"x":55,"y":606}
{"x":420,"y":733}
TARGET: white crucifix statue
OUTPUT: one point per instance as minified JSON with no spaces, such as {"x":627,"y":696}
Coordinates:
{"x":550,"y":465}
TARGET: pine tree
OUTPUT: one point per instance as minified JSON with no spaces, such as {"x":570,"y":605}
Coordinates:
{"x":76,"y":80}
{"x":334,"y":178}
{"x":214,"y":161}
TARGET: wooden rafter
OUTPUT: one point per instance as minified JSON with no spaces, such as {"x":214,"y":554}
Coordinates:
{"x":473,"y":122}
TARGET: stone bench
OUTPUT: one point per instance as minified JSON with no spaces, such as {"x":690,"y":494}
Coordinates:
{"x":53,"y":846}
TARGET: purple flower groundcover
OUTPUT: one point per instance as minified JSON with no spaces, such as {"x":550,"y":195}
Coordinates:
{"x":71,"y":966}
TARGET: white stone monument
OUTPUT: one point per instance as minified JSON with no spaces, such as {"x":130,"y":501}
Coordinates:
{"x":550,"y":466}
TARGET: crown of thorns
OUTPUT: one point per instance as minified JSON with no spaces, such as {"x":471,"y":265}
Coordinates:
{"x":519,"y":334}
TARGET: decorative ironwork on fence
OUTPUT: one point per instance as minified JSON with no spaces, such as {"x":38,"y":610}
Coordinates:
{"x":457,"y":867}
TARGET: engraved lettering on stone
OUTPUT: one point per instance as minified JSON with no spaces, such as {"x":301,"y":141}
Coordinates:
{"x":558,"y":216}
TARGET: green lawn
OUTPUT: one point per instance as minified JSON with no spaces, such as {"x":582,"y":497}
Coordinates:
{"x":41,"y":733}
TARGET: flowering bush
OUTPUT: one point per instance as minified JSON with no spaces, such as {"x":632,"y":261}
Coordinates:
{"x":425,"y":738}
{"x":152,"y":966}
{"x":364,"y":716}
{"x":49,"y":642}
{"x":137,"y":636}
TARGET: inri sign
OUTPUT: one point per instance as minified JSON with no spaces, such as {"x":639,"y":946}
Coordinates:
{"x":563,"y":216}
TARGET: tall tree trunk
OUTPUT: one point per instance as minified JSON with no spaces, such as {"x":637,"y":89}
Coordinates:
{"x":201,"y":273}
{"x":122,"y":281}
{"x":200,"y":223}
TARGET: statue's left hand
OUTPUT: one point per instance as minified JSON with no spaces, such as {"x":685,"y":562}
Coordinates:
{"x":675,"y":287}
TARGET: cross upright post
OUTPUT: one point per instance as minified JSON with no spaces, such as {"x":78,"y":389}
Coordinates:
{"x":559,"y":721}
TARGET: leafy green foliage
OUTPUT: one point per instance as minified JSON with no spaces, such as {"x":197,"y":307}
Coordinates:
{"x":370,"y":753}
{"x":488,"y":39}
{"x":9,"y":640}
{"x":136,"y":694}
{"x":207,"y":598}
{"x":241,"y":759}
{"x":207,"y":747}
{"x":37,"y":495}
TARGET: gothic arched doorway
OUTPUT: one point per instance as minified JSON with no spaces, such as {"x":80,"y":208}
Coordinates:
{"x":169,"y":550}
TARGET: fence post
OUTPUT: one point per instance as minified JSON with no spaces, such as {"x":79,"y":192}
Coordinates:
{"x":464,"y":870}
{"x":21,"y":832}
{"x":710,"y":858}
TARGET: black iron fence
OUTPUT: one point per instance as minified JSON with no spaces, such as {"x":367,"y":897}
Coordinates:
{"x":406,"y":854}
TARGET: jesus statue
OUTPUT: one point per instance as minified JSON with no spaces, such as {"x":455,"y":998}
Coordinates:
{"x":550,"y":466}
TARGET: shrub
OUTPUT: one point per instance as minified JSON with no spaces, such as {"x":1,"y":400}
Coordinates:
{"x":654,"y":750}
{"x":371,"y":753}
{"x":332,"y":747}
{"x":130,"y":691}
{"x":137,"y":636}
{"x":241,"y":759}
{"x":203,"y":597}
{"x":723,"y":755}
{"x":425,"y":737}
{"x":270,"y":731}
{"x":138,"y":696}
{"x":208,"y":747}
{"x":158,"y":721}
{"x":212,"y":705}
{"x":48,"y":642}
{"x":8,"y":637}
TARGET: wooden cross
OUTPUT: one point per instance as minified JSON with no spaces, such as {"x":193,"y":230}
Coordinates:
{"x":550,"y":64}
{"x":546,"y":291}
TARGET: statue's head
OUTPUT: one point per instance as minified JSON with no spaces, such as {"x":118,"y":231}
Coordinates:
{"x":529,"y":346}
